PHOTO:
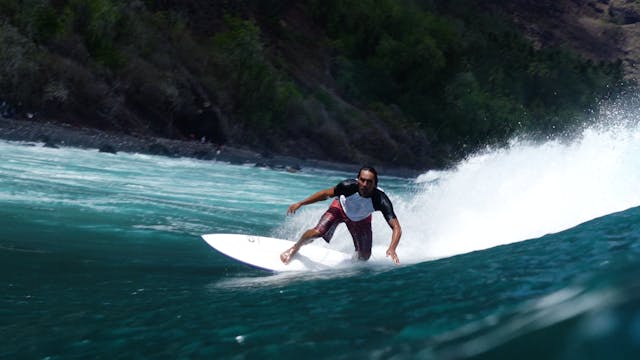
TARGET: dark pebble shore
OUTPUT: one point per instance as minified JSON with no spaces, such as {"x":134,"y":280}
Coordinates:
{"x":57,"y":135}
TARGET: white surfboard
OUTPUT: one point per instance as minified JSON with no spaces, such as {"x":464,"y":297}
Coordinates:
{"x":264,"y":252}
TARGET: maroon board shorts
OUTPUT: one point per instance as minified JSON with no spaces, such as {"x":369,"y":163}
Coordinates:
{"x":360,"y":230}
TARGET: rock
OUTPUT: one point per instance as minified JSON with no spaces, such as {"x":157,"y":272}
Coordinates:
{"x":50,"y":144}
{"x":6,"y":110}
{"x":43,"y":138}
{"x":107,"y":148}
{"x":203,"y":155}
{"x":624,"y":14}
{"x":159,"y":149}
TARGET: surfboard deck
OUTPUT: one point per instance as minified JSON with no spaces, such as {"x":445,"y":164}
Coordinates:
{"x":264,"y":253}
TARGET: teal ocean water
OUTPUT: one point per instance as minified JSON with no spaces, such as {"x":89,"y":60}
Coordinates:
{"x":531,"y":252}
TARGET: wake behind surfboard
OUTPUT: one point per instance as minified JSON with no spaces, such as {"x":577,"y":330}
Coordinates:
{"x":264,"y":252}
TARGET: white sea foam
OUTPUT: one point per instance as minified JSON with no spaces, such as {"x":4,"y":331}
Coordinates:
{"x":524,"y":191}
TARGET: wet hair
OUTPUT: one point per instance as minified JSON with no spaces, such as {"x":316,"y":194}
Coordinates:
{"x":371,"y":170}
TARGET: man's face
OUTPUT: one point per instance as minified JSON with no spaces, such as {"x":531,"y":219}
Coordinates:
{"x":366,"y":183}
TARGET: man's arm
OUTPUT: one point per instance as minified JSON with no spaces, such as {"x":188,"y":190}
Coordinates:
{"x":319,"y":196}
{"x":395,"y":239}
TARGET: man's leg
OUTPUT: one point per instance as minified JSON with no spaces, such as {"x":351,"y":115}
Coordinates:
{"x":362,"y":237}
{"x":306,"y":238}
{"x":325,"y":228}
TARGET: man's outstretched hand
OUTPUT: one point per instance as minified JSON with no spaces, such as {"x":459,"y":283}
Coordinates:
{"x":293,"y":208}
{"x":392,"y":253}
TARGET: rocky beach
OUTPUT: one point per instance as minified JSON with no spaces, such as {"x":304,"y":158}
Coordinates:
{"x":49,"y":134}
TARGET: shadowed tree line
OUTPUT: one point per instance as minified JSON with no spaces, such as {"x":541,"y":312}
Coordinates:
{"x":414,"y":82}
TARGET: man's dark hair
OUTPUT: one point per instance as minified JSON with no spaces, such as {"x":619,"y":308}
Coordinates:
{"x":371,"y":170}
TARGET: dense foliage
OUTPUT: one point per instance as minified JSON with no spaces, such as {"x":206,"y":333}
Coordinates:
{"x":467,"y":77}
{"x":410,"y":82}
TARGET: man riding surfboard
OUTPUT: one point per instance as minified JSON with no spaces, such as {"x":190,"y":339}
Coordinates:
{"x":355,"y":201}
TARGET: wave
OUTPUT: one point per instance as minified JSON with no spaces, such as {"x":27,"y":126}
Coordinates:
{"x":524,"y":191}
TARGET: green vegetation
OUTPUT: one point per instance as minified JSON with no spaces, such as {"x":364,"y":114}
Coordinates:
{"x":411,"y":82}
{"x":466,"y":77}
{"x":261,"y":94}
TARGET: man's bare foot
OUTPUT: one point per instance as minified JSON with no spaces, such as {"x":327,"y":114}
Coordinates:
{"x":288,"y":255}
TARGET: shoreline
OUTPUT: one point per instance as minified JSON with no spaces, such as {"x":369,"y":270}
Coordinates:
{"x":57,"y":134}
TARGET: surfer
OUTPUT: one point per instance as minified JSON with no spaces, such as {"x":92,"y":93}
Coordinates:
{"x":355,"y":201}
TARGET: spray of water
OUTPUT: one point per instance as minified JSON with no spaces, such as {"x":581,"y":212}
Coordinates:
{"x":525,"y":191}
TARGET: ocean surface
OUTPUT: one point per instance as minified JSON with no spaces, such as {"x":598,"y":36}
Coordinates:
{"x":530,"y":252}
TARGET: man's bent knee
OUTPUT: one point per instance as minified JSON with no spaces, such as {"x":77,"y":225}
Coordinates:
{"x":364,"y":256}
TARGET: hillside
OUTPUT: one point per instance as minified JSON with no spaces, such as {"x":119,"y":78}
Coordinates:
{"x":414,"y":83}
{"x":601,"y":30}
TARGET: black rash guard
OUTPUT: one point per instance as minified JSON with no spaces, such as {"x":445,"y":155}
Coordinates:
{"x":357,"y":207}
